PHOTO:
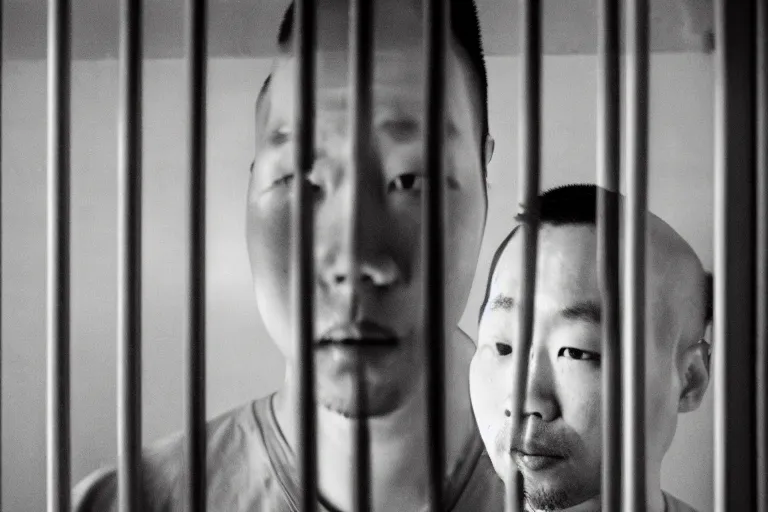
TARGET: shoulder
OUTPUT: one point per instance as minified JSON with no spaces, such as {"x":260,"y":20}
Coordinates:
{"x":161,"y":468}
{"x":235,"y":448}
{"x":673,"y":504}
{"x":96,"y":492}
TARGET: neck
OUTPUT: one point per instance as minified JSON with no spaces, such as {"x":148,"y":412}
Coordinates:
{"x":398,"y":440}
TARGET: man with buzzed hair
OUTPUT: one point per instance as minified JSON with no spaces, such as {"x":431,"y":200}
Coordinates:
{"x":369,"y":300}
{"x":559,"y":446}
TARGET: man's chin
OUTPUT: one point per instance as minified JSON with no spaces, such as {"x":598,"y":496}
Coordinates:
{"x":344,"y":401}
{"x":341,"y":376}
{"x":556,"y":495}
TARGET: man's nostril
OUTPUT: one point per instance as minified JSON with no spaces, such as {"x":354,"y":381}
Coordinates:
{"x":339,"y":279}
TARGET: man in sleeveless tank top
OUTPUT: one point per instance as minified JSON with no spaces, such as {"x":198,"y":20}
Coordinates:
{"x":369,"y":298}
{"x":558,"y":448}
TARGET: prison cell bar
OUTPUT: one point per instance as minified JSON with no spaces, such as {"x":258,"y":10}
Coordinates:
{"x":196,"y":31}
{"x":633,"y":306}
{"x":1,"y":254}
{"x":761,"y":280}
{"x":302,"y":250}
{"x":608,"y":173}
{"x":129,"y":249}
{"x":529,"y":174}
{"x":362,"y":489}
{"x":436,"y":16}
{"x":58,"y":258}
{"x":734,"y":263}
{"x":360,"y":113}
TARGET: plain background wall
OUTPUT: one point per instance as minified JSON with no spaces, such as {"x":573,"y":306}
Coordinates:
{"x":242,"y":362}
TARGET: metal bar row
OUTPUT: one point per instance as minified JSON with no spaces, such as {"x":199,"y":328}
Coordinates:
{"x":734,"y":262}
{"x":741,"y":244}
{"x":58,"y":257}
{"x":197,"y":44}
{"x":608,"y":178}
{"x":529,"y":177}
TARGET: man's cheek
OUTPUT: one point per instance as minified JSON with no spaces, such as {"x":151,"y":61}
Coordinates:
{"x":485,"y":389}
{"x":580,"y":400}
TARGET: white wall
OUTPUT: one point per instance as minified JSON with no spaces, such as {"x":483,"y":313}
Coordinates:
{"x":242,"y":363}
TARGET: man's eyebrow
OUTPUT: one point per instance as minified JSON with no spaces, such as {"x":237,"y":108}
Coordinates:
{"x":338,"y":100}
{"x":589,"y":311}
{"x":503,"y":302}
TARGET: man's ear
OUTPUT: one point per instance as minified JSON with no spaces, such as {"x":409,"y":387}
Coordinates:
{"x":490,"y":145}
{"x":695,"y":378}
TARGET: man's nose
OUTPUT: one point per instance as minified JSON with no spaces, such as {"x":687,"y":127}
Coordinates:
{"x":354,"y":253}
{"x":540,"y":399}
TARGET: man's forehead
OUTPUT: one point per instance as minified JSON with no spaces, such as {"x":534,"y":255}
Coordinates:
{"x":398,"y":80}
{"x":397,"y":24}
{"x":566,"y":263}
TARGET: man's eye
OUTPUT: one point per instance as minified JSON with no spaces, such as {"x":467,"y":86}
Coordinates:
{"x":279,"y":136}
{"x":503,"y":349}
{"x":578,"y":355}
{"x":287,"y":181}
{"x":408,"y":182}
{"x":283,"y":181}
{"x":401,"y":130}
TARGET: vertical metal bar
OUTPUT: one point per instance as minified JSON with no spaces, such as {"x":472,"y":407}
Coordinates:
{"x":529,"y":172}
{"x":761,"y":393}
{"x":1,"y":252}
{"x":436,"y":16}
{"x":129,"y":249}
{"x":609,"y":169}
{"x":197,"y":45}
{"x":362,"y":491}
{"x":303,"y":250}
{"x":634,"y":306}
{"x":734,"y":268}
{"x":360,"y":111}
{"x":129,"y":257}
{"x":57,"y":297}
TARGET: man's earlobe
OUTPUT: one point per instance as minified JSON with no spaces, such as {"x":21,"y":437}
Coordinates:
{"x":695,"y":380}
{"x":490,"y":145}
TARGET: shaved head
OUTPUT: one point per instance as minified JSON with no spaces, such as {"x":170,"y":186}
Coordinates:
{"x":679,"y":287}
{"x":677,"y":284}
{"x":559,"y":447}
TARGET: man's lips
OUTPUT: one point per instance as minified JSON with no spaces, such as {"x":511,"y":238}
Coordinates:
{"x":364,"y":334}
{"x":535,"y":460}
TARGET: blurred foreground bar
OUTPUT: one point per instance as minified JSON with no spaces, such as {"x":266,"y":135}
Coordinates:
{"x":734,"y":264}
